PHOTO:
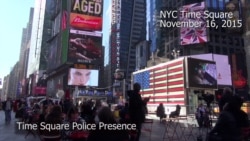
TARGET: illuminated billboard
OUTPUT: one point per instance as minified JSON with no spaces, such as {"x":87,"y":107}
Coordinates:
{"x":201,"y":73}
{"x":235,"y":23}
{"x":222,"y":66}
{"x":83,"y":77}
{"x":84,"y":47}
{"x":86,"y":14}
{"x":193,"y":34}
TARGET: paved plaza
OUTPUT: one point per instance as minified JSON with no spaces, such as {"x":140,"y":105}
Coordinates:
{"x":155,"y":131}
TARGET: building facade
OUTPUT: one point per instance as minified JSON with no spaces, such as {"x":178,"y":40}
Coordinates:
{"x":142,"y":54}
{"x":225,"y":41}
{"x":25,"y":42}
{"x":74,"y":45}
{"x":128,"y":28}
{"x":5,"y":88}
{"x":14,"y":88}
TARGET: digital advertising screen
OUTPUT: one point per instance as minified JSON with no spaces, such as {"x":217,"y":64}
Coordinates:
{"x":86,"y":14}
{"x":235,"y":22}
{"x":201,"y":73}
{"x":84,"y":46}
{"x":194,"y":29}
{"x":83,"y":77}
{"x":223,"y":68}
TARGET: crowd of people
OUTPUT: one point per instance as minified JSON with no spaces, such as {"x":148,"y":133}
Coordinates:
{"x":91,"y":112}
{"x":228,"y":127}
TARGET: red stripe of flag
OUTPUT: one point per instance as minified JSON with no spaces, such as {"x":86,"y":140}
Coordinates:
{"x":179,"y":82}
{"x":168,"y":96}
{"x":167,"y":78}
{"x":155,"y":74}
{"x":162,"y":90}
{"x":169,"y":65}
{"x":167,"y":103}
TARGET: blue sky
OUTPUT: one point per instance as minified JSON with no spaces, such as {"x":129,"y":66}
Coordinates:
{"x":14,"y":15}
{"x":106,"y":26}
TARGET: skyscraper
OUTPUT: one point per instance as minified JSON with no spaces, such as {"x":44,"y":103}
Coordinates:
{"x":22,"y":68}
{"x":128,"y":28}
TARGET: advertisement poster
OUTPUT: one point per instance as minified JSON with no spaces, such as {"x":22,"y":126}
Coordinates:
{"x":84,"y":47}
{"x":195,"y":30}
{"x":86,"y":15}
{"x":83,"y":77}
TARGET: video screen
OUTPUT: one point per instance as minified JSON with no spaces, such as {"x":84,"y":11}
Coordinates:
{"x":193,"y":34}
{"x":201,"y":73}
{"x":83,"y":77}
{"x":84,"y":46}
{"x":222,"y":67}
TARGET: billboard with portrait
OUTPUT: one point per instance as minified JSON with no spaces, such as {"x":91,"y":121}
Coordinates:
{"x":193,"y":34}
{"x":235,"y":23}
{"x":84,"y":46}
{"x":86,"y":15}
{"x":201,"y":73}
{"x":83,"y":77}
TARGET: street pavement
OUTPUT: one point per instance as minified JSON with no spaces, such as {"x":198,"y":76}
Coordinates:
{"x":8,"y":132}
{"x":150,"y":131}
{"x":184,"y":130}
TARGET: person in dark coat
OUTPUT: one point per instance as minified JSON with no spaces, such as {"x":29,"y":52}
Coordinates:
{"x":100,"y":134}
{"x":230,"y":122}
{"x":137,"y":108}
{"x":7,"y":107}
{"x":226,"y":97}
{"x":160,"y":112}
{"x":175,"y":113}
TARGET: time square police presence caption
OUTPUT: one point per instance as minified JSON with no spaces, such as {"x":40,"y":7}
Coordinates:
{"x":184,"y":19}
{"x":74,"y":126}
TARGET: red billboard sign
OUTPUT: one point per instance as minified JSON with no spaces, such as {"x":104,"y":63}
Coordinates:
{"x":39,"y":90}
{"x":86,"y":14}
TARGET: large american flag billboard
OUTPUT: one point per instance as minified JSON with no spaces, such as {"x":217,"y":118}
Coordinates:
{"x":164,"y":83}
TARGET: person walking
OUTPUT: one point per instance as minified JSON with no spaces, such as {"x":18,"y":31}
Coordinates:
{"x":137,"y":108}
{"x":7,"y":107}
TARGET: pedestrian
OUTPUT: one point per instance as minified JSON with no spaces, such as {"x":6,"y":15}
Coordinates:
{"x":160,"y":112}
{"x":201,"y":115}
{"x":226,"y":97}
{"x":137,"y":108}
{"x":175,"y":113}
{"x":105,"y":116}
{"x":7,"y":107}
{"x":230,"y":122}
